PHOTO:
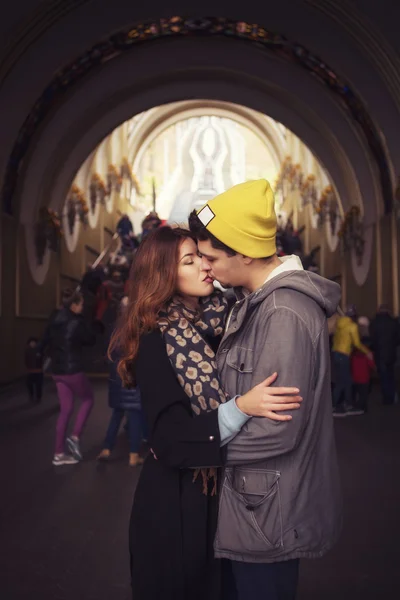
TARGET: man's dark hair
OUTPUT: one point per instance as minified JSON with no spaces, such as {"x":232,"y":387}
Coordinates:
{"x":69,"y":297}
{"x":351,"y":311}
{"x":202,"y":234}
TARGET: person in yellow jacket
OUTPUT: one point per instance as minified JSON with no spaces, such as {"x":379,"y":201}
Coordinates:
{"x":346,"y":338}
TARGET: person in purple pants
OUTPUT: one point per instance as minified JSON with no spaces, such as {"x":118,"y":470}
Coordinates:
{"x":69,"y":332}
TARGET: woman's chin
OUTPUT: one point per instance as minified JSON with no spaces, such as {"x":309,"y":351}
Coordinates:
{"x":208,"y":289}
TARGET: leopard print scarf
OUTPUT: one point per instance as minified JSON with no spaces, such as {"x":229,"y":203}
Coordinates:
{"x":191,"y":357}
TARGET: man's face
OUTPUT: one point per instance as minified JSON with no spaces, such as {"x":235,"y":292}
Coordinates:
{"x":227,"y":270}
{"x":77,"y":308}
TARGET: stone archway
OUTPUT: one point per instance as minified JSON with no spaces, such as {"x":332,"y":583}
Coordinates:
{"x":78,"y":125}
{"x":280,"y":48}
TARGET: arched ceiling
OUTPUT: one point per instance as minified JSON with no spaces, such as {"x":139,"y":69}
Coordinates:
{"x":160,"y":118}
{"x":42,"y":38}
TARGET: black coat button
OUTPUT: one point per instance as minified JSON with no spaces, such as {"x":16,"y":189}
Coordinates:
{"x":250,"y":507}
{"x":241,"y":368}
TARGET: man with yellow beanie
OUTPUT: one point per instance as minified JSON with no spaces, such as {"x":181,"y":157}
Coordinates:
{"x":280,"y":498}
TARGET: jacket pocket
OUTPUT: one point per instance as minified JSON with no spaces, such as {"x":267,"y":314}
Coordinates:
{"x":250,"y":517}
{"x":240,"y":359}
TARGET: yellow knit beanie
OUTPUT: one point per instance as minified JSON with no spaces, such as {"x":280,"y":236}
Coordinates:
{"x":243,"y":218}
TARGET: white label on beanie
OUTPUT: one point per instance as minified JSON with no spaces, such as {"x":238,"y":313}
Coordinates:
{"x":206,"y":215}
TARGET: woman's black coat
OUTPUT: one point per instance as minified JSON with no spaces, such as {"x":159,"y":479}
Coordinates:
{"x":173,"y":523}
{"x":67,"y":336}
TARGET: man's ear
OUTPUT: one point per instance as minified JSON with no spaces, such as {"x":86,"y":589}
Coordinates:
{"x":247,"y":260}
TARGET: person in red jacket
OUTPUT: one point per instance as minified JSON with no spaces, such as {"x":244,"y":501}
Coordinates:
{"x":362,"y":366}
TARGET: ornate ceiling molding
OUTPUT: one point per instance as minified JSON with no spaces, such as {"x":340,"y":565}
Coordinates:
{"x":373,"y":43}
{"x":31,"y":28}
{"x":127,"y":39}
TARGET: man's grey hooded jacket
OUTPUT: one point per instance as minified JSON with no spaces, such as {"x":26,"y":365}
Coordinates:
{"x":280,"y":496}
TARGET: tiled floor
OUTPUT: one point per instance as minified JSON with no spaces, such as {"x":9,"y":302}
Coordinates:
{"x":63,"y":532}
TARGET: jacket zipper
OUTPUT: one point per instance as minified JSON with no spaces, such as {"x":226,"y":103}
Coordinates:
{"x":231,"y":313}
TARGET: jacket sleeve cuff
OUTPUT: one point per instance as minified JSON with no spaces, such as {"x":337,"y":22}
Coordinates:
{"x":230,"y":420}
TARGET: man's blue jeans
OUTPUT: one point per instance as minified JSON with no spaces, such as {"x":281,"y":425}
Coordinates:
{"x":260,"y":581}
{"x":136,"y":428}
{"x":343,"y":382}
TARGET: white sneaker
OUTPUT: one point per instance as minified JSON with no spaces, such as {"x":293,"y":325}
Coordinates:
{"x":74,"y":447}
{"x":64,"y":459}
{"x":351,"y":411}
{"x":339,"y":412}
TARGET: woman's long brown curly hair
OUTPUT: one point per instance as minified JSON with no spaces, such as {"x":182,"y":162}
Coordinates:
{"x":152,"y":284}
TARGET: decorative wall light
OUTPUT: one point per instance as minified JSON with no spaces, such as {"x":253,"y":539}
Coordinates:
{"x":114,"y":179}
{"x":283,"y":175}
{"x":351,"y":233}
{"x":295,"y":177}
{"x":308,"y":190}
{"x":127,"y":173}
{"x":48,"y":233}
{"x":76,"y":207}
{"x":327,"y":208}
{"x":97,"y":191}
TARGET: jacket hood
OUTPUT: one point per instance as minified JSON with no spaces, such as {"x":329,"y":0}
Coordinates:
{"x":324,"y":292}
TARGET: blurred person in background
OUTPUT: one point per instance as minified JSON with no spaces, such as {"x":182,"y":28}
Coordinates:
{"x":109,"y":296}
{"x":363,"y":329}
{"x":362,"y":367}
{"x":68,"y":334}
{"x":150,"y":222}
{"x":345,"y":339}
{"x":34,"y":369}
{"x":385,"y":338}
{"x":123,"y":402}
{"x":92,"y":279}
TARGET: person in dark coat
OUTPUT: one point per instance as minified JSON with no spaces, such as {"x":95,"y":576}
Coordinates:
{"x":150,"y":222}
{"x":385,"y":338}
{"x":92,"y":279}
{"x":125,"y":227}
{"x":123,"y":402}
{"x":172,"y":312}
{"x":66,"y":338}
{"x":34,"y":370}
{"x":109,"y":295}
{"x":126,"y":233}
